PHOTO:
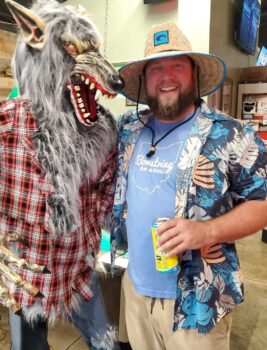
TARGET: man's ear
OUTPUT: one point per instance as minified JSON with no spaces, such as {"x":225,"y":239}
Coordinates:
{"x":31,"y":25}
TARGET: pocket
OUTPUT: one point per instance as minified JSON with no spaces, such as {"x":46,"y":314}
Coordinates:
{"x":23,"y":190}
{"x":27,"y":144}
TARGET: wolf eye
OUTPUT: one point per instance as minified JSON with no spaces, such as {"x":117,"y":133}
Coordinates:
{"x":72,"y":48}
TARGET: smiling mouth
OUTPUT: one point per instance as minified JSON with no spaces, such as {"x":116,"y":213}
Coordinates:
{"x":168,"y":89}
{"x":85,"y":92}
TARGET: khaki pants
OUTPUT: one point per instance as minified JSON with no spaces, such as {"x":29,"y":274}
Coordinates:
{"x":148,"y":331}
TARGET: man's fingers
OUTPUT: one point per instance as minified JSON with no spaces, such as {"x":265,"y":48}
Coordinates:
{"x":171,"y":244}
{"x":167,"y":236}
{"x":177,"y":250}
{"x":166,"y":225}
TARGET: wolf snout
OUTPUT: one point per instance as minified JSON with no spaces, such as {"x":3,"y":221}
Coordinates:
{"x":116,"y":82}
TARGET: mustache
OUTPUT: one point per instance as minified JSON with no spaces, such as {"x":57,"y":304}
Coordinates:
{"x":170,"y":111}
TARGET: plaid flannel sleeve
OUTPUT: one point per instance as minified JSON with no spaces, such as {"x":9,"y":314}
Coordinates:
{"x":6,"y":116}
{"x":106,"y":188}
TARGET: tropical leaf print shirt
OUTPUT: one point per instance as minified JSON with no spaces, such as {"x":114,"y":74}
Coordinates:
{"x":222,"y":164}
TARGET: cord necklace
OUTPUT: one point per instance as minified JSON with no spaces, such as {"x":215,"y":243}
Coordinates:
{"x":153,"y":145}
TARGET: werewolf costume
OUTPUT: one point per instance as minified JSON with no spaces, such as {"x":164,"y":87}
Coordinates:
{"x":57,"y":170}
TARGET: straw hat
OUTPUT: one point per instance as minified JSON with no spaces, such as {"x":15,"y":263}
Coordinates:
{"x":166,"y":40}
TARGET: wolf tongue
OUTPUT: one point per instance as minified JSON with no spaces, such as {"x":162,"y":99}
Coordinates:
{"x":92,"y":106}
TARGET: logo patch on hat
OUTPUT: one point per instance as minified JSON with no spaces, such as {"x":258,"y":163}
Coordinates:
{"x":161,"y":37}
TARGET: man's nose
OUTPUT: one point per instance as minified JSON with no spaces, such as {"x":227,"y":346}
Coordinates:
{"x":168,"y":72}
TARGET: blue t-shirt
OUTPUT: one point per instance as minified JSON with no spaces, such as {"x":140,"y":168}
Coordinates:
{"x":151,"y":187}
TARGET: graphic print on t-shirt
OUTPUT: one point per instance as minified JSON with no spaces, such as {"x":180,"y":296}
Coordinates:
{"x":160,"y":167}
{"x":150,"y":194}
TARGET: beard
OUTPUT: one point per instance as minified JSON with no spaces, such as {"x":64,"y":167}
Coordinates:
{"x":172,"y":108}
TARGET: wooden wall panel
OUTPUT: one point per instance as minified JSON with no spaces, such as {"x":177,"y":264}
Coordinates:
{"x":7,"y":47}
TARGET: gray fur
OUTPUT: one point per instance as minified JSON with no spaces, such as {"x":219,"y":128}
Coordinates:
{"x":68,"y":151}
{"x":106,"y":341}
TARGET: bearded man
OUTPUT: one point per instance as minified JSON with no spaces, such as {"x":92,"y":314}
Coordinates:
{"x":202,"y":175}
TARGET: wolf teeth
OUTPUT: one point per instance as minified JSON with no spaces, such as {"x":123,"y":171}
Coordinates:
{"x":86,"y":115}
{"x":81,"y":105}
{"x":98,"y":94}
{"x":87,"y":81}
{"x":92,"y":86}
{"x":77,"y":88}
{"x":80,"y":100}
{"x":83,"y":78}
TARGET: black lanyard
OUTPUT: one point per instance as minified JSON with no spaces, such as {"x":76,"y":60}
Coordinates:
{"x":153,"y":145}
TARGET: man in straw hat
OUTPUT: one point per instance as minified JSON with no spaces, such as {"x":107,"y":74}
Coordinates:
{"x":203,"y":170}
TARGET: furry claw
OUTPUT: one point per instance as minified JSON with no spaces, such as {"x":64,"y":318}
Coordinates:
{"x":6,"y":259}
{"x":24,"y":242}
{"x":7,"y":299}
{"x":39,"y":295}
{"x":6,"y":256}
{"x":46,"y":271}
{"x":12,"y":237}
{"x":18,"y":312}
{"x":17,"y":280}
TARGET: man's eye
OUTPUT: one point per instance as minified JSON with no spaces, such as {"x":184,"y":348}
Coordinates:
{"x":155,"y":68}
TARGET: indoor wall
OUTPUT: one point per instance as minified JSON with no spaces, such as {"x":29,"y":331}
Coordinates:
{"x":222,"y":27}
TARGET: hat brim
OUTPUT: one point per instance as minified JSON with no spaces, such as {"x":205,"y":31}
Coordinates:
{"x":212,"y":73}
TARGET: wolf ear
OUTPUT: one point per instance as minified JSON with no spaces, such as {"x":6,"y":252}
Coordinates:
{"x":82,"y":10}
{"x":31,"y":25}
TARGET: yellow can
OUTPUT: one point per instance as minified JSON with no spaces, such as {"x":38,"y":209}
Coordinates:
{"x":163,"y":263}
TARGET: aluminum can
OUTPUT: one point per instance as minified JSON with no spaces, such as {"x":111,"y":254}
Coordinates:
{"x":163,"y":263}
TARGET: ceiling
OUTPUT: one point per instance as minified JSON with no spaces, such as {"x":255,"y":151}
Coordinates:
{"x":7,"y":22}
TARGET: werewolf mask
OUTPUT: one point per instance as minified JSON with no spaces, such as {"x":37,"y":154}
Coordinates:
{"x":66,"y":44}
{"x":61,"y":74}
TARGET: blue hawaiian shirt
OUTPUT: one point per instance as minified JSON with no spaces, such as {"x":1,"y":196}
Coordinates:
{"x":223,"y":163}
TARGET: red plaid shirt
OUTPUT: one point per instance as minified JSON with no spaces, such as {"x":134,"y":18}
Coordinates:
{"x":24,"y":191}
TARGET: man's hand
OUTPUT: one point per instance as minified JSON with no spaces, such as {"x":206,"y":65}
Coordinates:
{"x":7,"y":258}
{"x":178,"y":235}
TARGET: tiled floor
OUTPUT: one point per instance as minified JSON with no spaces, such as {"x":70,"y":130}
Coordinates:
{"x":249,"y":330}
